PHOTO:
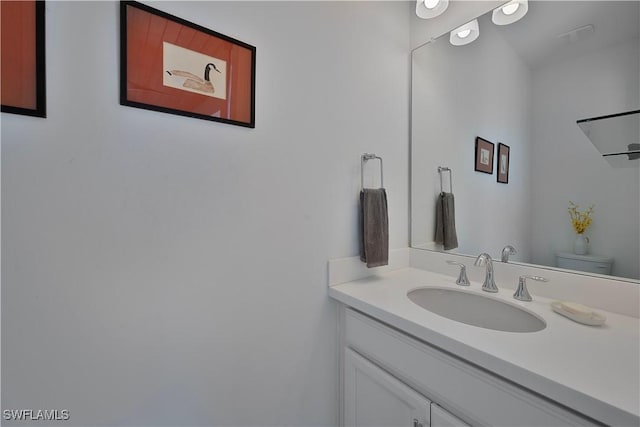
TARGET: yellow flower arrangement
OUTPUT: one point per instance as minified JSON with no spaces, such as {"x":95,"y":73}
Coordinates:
{"x":580,"y":220}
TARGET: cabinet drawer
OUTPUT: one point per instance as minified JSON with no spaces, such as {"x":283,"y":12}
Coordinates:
{"x":478,"y":397}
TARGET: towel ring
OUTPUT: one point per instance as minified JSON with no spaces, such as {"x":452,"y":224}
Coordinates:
{"x":363,"y":159}
{"x":445,"y":169}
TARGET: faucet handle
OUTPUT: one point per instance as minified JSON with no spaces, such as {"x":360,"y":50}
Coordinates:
{"x":522,"y":293}
{"x":463,"y":280}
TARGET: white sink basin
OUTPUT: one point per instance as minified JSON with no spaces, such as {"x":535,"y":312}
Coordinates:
{"x":476,"y":310}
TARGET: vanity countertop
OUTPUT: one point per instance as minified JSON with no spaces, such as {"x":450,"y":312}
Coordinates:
{"x":593,"y":370}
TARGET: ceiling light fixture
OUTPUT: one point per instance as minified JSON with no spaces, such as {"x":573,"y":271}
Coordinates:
{"x":465,"y":34}
{"x":510,"y":12}
{"x":427,"y":9}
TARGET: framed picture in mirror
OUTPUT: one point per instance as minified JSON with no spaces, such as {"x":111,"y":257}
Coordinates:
{"x":503,"y":163}
{"x":484,"y":156}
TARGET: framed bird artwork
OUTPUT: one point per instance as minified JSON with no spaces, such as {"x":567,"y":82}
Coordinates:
{"x":23,"y":57}
{"x":178,"y":67}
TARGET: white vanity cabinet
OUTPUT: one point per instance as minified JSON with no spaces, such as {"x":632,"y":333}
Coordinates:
{"x":393,"y":379}
{"x":372,"y":397}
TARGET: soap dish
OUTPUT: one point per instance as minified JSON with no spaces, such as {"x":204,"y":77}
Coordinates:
{"x":591,"y":319}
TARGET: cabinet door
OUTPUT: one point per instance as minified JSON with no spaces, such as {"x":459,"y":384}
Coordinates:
{"x":442,"y":418}
{"x":373,"y":397}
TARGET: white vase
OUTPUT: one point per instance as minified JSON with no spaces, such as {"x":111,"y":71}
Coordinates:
{"x":581,"y":244}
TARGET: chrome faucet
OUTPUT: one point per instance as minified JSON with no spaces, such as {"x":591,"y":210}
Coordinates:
{"x":489,"y":284}
{"x":506,"y":251}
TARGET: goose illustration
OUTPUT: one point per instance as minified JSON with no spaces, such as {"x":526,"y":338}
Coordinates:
{"x":194,"y":82}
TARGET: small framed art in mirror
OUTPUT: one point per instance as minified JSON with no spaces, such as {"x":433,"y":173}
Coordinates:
{"x":503,"y":163}
{"x":484,"y":156}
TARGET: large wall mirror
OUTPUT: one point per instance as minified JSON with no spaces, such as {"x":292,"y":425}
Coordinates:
{"x":525,"y":85}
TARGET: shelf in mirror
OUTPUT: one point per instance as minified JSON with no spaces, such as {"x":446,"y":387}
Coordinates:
{"x":616,"y":136}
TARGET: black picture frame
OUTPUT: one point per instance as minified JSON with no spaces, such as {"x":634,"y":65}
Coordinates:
{"x":40,"y":109}
{"x":181,"y":96}
{"x":484,"y":156}
{"x":503,"y":163}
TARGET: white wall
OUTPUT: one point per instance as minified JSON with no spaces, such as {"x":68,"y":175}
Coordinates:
{"x":460,"y":93}
{"x":159,"y":269}
{"x":601,"y":83}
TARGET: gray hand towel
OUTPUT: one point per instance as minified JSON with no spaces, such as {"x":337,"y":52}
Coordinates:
{"x":374,"y":227}
{"x":446,"y":221}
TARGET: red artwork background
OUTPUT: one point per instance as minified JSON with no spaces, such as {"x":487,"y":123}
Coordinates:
{"x":145,"y":34}
{"x":18,"y":54}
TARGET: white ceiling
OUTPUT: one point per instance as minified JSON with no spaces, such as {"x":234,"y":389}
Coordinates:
{"x":535,"y":35}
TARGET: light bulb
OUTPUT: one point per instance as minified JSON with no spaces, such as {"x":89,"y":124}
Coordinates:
{"x":464,"y":33}
{"x":431,"y":4}
{"x":511,"y":8}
